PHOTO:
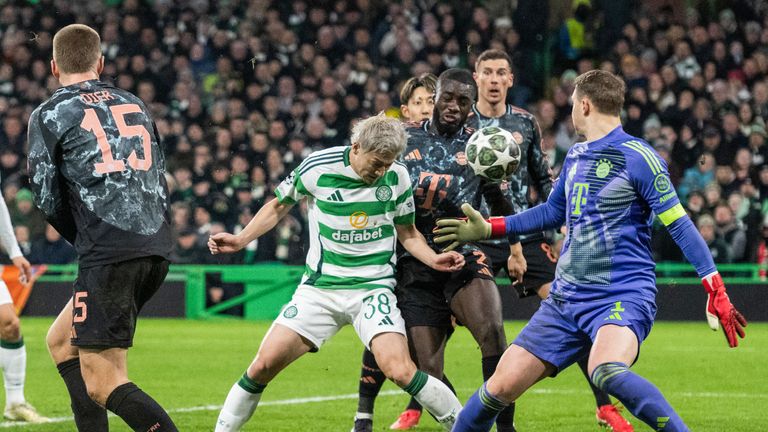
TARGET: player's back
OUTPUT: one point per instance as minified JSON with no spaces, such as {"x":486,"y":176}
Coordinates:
{"x":95,"y":162}
{"x":611,"y":189}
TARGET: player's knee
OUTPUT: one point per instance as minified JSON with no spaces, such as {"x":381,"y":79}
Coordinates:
{"x":98,"y":393}
{"x":398,"y":370}
{"x":10,"y":330}
{"x":262,"y":370}
{"x":490,"y":337}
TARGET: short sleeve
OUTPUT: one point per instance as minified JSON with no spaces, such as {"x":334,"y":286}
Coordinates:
{"x":292,"y":189}
{"x":404,"y":205}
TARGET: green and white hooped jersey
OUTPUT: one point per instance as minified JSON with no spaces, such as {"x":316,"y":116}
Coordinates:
{"x":352,"y":237}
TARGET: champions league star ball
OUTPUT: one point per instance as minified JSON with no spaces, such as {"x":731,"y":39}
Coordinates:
{"x":493,"y":153}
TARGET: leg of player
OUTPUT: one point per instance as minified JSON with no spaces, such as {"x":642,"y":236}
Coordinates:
{"x":105,"y":372}
{"x":371,"y":380}
{"x":431,"y":350}
{"x":614,"y":349}
{"x":517,"y":371}
{"x":607,"y":414}
{"x":478,"y":306}
{"x":89,"y":416}
{"x":13,"y":360}
{"x":280,"y":347}
{"x":427,"y":347}
{"x":391,"y":351}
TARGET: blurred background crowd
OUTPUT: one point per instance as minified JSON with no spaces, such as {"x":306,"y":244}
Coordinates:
{"x":242,"y":91}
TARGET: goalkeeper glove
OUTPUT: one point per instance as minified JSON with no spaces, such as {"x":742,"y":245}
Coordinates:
{"x":473,"y":228}
{"x":720,"y":311}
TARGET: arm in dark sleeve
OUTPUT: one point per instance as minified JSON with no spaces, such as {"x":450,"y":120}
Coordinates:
{"x":499,"y":205}
{"x":50,"y":194}
{"x":538,"y":165}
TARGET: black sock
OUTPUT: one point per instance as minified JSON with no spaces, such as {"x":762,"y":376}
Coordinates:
{"x":89,"y":416}
{"x":505,"y":420}
{"x":139,"y":410}
{"x":371,"y":380}
{"x":601,"y":397}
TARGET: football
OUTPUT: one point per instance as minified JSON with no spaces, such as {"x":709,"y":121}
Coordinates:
{"x":493,"y":153}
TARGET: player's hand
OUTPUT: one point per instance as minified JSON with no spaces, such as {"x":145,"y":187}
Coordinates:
{"x":448,"y":261}
{"x":720,"y":311}
{"x":224,"y":243}
{"x":25,"y":269}
{"x":458,"y":231}
{"x":516,"y":264}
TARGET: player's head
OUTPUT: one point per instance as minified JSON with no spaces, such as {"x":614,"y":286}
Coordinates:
{"x":76,"y":50}
{"x":376,"y":142}
{"x":493,"y":74}
{"x":418,"y":97}
{"x":455,"y":93}
{"x":597,"y":94}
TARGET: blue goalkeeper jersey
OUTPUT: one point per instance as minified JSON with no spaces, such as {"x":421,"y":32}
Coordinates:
{"x":608,"y":192}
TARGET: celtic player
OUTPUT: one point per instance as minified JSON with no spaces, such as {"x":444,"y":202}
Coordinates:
{"x":360,"y":204}
{"x":602,"y":302}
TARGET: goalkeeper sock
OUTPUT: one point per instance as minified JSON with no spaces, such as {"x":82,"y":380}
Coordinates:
{"x":13,"y":357}
{"x":371,"y":380}
{"x":505,"y":422}
{"x":638,"y":395}
{"x":479,"y":413}
{"x":601,"y":397}
{"x":240,"y":404}
{"x":435,"y":396}
{"x":89,"y":416}
{"x":138,"y":409}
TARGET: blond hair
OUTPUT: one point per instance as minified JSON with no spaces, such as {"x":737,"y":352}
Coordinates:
{"x":380,"y":134}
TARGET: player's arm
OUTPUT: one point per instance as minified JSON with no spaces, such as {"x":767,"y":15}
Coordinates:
{"x":290,"y":191}
{"x":45,"y":178}
{"x":538,"y":166}
{"x":651,"y":179}
{"x":416,"y":245}
{"x":550,"y":214}
{"x":264,"y":220}
{"x":11,"y":246}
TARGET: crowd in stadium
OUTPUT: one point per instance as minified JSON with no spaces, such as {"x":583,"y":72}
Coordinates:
{"x":244,"y":90}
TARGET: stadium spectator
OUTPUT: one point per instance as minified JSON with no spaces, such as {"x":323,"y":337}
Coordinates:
{"x":24,"y":212}
{"x":52,"y":249}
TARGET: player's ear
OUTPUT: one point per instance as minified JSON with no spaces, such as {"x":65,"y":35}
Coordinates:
{"x":405,"y":112}
{"x":100,"y":65}
{"x":586,"y":106}
{"x":511,"y":80}
{"x":54,"y":69}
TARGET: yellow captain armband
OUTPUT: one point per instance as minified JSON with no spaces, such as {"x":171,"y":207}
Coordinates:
{"x":672,"y":214}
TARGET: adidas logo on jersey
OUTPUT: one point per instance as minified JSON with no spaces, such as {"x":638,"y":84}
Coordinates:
{"x":335,"y":196}
{"x":414,"y":155}
{"x":386,"y":321}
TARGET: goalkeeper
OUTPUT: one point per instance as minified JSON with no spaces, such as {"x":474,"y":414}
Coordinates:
{"x":603,"y":295}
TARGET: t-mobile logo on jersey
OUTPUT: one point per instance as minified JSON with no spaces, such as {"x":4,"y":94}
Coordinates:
{"x":579,"y":197}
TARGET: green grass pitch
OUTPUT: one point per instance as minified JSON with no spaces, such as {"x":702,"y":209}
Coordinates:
{"x":189,"y":366}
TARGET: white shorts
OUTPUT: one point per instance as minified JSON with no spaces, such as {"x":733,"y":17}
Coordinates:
{"x":5,"y":295}
{"x":317,"y":314}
